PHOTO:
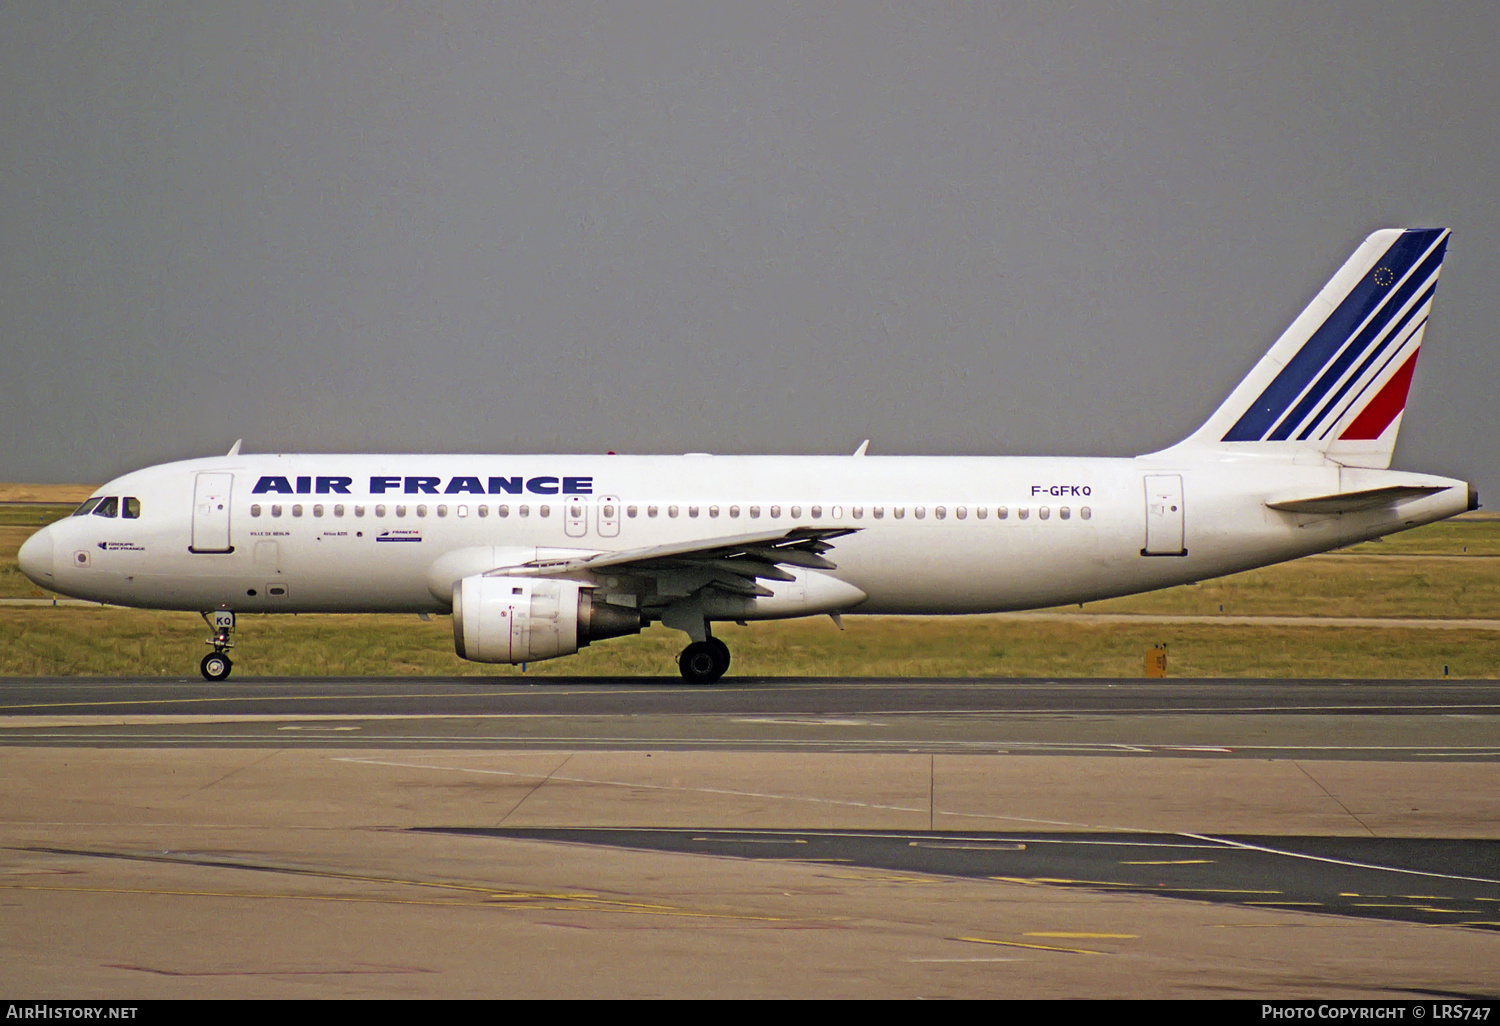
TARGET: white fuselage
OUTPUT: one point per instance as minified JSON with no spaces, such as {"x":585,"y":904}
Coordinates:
{"x":936,"y":535}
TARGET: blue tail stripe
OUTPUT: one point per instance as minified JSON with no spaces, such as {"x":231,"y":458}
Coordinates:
{"x":1365,"y":297}
{"x":1395,"y":333}
{"x":1357,"y":346}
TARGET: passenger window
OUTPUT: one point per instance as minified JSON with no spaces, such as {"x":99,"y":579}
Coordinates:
{"x":1044,"y":513}
{"x":754,"y":512}
{"x":734,"y":511}
{"x":318,"y":509}
{"x":109,"y":507}
{"x":961,"y":512}
{"x":651,"y":511}
{"x":1063,"y":512}
{"x":442,"y":511}
{"x":88,"y":506}
{"x":1085,"y":513}
{"x":462,"y":511}
{"x":297,"y":510}
{"x":816,"y":511}
{"x":255,"y":510}
{"x":338,"y":510}
{"x":671,"y":511}
{"x":132,"y":508}
{"x":1001,"y":513}
{"x":920,"y":512}
{"x":632,"y":512}
{"x":775,"y":512}
{"x":898,"y":512}
{"x":421,"y":509}
{"x":484,"y":511}
{"x":545,"y":510}
{"x":1022,"y":513}
{"x":878,"y":512}
{"x":796,"y":512}
{"x":523,"y":511}
{"x":502,"y":510}
{"x":858,"y":512}
{"x":692,"y":511}
{"x":981,"y":512}
{"x":940,"y":512}
{"x":400,"y":511}
{"x":380,"y":510}
{"x":713,"y":511}
{"x":275,"y":511}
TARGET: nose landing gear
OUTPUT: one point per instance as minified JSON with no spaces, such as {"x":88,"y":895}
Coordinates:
{"x":216,"y":665}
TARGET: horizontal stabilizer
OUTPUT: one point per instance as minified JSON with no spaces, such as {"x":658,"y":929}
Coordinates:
{"x":1351,"y":502}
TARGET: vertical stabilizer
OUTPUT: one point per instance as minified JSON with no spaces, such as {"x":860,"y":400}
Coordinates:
{"x":1335,"y":383}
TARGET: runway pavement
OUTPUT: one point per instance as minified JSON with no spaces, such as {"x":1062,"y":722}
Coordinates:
{"x":638,"y":837}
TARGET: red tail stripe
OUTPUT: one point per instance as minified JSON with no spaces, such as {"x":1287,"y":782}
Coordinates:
{"x":1391,"y":400}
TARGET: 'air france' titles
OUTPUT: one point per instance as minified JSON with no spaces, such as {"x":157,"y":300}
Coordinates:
{"x":419,"y":484}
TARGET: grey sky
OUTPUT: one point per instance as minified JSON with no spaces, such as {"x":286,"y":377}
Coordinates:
{"x":763,"y":227}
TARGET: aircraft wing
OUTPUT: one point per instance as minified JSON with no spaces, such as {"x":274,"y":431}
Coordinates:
{"x":734,"y":563}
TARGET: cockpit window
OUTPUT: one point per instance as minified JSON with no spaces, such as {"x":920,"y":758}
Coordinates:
{"x":108,"y":507}
{"x":132,"y":508}
{"x":88,"y":506}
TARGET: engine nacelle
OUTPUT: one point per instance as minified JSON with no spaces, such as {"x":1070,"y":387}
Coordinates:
{"x":524,"y":619}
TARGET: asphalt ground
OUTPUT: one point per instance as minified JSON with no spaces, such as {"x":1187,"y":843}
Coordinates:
{"x":789,"y":837}
{"x":1371,"y":720}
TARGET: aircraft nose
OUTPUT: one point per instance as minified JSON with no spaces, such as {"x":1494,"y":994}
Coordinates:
{"x":36,"y":558}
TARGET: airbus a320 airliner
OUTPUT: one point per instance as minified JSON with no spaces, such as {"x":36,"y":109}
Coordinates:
{"x":537,"y":556}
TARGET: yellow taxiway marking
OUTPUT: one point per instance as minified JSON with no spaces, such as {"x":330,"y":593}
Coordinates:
{"x":1171,"y":862}
{"x":534,"y":902}
{"x":1032,"y":947}
{"x":1382,"y":904}
{"x":1083,"y":936}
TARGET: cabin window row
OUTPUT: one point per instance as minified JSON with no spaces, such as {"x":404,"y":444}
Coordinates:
{"x":754,"y":512}
{"x":875,"y":512}
{"x":400,"y":510}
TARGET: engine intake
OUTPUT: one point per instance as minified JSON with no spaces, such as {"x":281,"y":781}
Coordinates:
{"x":525,"y":619}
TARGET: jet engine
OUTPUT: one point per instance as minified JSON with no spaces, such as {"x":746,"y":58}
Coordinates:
{"x":524,"y":619}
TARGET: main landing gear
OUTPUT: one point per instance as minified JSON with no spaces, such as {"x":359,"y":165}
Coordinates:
{"x":216,"y":665}
{"x":704,"y":662}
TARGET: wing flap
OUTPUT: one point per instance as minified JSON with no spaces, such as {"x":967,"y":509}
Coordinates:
{"x":738,"y":558}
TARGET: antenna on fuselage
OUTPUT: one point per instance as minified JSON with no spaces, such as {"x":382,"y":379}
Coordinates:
{"x":234,"y":450}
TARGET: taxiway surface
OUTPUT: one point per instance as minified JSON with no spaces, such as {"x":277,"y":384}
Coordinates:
{"x":775,"y":837}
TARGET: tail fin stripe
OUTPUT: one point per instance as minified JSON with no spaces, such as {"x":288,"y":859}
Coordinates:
{"x":1374,"y":328}
{"x":1388,"y":402}
{"x":1332,"y":423}
{"x":1356,"y":308}
{"x":1396,"y":334}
